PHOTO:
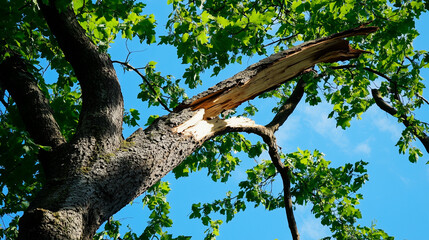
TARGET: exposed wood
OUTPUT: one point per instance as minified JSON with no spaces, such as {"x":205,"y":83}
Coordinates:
{"x":271,"y":72}
{"x":202,"y":129}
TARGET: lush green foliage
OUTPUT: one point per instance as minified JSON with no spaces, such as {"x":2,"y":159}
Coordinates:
{"x":209,"y":35}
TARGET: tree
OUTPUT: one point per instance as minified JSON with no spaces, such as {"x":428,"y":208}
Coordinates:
{"x":66,"y":165}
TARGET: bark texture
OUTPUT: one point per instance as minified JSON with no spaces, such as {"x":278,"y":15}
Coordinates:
{"x":97,"y":173}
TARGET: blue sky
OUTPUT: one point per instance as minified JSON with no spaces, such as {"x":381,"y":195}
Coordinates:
{"x":395,"y":198}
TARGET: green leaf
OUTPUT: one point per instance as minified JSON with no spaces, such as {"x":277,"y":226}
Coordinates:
{"x":185,"y":37}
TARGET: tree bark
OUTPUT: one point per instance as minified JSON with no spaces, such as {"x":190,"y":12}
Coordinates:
{"x":97,"y":173}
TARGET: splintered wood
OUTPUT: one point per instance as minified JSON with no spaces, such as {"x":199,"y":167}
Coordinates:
{"x":271,"y":72}
{"x":201,"y":129}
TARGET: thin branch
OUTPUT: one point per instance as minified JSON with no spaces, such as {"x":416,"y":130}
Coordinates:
{"x":365,"y":68}
{"x":422,"y":98}
{"x":284,"y":173}
{"x":280,"y":40}
{"x":146,"y":81}
{"x":381,"y":75}
{"x":267,"y":135}
{"x":381,"y":103}
{"x":424,"y":139}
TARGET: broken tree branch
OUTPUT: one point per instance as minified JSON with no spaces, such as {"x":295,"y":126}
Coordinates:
{"x":267,"y":74}
{"x":271,"y":72}
{"x":263,"y":76}
{"x":201,"y":129}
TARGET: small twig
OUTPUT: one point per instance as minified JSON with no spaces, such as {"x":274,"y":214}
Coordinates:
{"x":280,"y":40}
{"x":46,"y":68}
{"x":146,"y":81}
{"x":365,"y":68}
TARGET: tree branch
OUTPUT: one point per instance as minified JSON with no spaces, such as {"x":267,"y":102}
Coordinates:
{"x":422,"y":98}
{"x":424,"y":139}
{"x":271,"y":72}
{"x":201,"y":129}
{"x":269,"y":138}
{"x":102,"y":103}
{"x":146,"y":81}
{"x":381,"y":75}
{"x":381,"y":103}
{"x":288,"y":107}
{"x":365,"y":68}
{"x":284,"y":171}
{"x":32,"y":104}
{"x":280,"y":40}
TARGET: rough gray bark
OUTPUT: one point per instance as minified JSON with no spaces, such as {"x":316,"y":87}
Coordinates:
{"x":97,"y":173}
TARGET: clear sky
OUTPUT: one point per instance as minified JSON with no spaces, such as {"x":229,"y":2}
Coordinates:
{"x":395,"y":198}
